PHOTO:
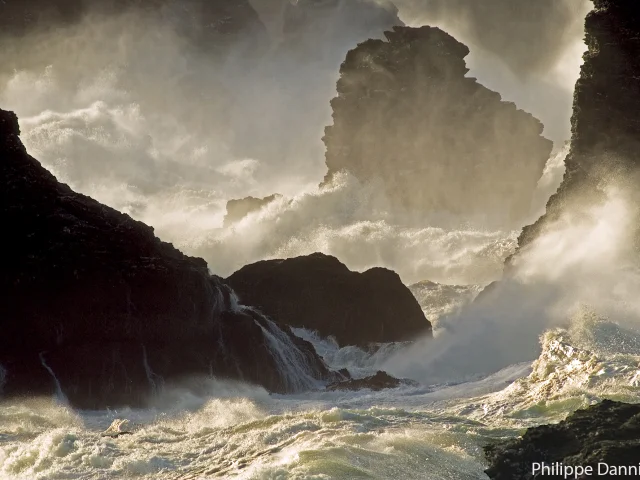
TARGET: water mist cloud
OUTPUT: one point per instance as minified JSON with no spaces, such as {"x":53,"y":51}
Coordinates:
{"x":530,"y":36}
{"x":124,"y":109}
{"x":583,"y":265}
{"x":528,"y":50}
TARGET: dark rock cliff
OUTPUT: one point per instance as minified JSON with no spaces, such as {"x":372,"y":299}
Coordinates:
{"x":113,"y":312}
{"x":438,"y":141}
{"x":318,"y":292}
{"x":608,"y":432}
{"x":605,"y":126}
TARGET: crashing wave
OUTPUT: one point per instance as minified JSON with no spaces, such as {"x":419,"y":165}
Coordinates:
{"x":591,"y":360}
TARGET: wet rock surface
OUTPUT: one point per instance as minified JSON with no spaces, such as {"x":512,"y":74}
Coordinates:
{"x":380,"y":381}
{"x":607,"y":433}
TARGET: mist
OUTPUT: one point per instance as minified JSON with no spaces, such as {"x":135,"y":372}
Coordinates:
{"x":132,"y":111}
{"x":581,"y":270}
{"x":529,"y":51}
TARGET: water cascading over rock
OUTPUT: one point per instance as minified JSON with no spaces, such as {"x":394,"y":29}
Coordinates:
{"x":439,"y":142}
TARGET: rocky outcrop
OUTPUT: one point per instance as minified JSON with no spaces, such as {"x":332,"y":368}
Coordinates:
{"x":237,"y":209}
{"x":380,"y":381}
{"x":96,"y":307}
{"x":318,"y":292}
{"x":605,"y":433}
{"x":407,"y":116}
{"x":605,"y":128}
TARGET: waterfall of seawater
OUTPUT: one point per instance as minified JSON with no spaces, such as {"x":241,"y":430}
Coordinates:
{"x":60,"y":396}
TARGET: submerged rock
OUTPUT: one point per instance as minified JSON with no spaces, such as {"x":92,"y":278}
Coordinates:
{"x":605,"y":129}
{"x":97,"y":308}
{"x":118,"y":428}
{"x":607,"y":433}
{"x":439,"y":142}
{"x":318,"y":292}
{"x":380,"y":381}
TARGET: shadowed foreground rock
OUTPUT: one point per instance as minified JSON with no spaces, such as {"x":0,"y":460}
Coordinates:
{"x":605,"y":433}
{"x":95,"y":305}
{"x":438,"y":141}
{"x":318,"y":292}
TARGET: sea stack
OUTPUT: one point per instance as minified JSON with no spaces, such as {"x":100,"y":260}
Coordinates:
{"x":407,"y":116}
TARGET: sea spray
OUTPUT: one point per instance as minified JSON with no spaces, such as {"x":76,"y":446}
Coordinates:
{"x":586,"y":257}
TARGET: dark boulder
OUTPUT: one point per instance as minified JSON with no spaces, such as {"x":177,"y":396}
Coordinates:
{"x":380,"y":381}
{"x":605,"y":129}
{"x":318,"y":292}
{"x":406,"y":115}
{"x":94,"y":305}
{"x":608,"y":432}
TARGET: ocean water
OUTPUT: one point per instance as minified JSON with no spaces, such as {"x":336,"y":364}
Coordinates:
{"x":209,"y":428}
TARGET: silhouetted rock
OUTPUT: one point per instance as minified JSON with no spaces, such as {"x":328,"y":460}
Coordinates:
{"x":91,"y":299}
{"x":605,"y":128}
{"x":237,"y":209}
{"x":438,"y":141}
{"x":318,"y":292}
{"x":608,"y":432}
{"x":380,"y":381}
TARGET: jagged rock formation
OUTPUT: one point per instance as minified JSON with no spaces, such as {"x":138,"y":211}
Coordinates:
{"x":95,"y":305}
{"x":608,"y":432}
{"x":605,"y":128}
{"x":407,"y":116}
{"x":380,"y":381}
{"x":237,"y":209}
{"x":318,"y":292}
